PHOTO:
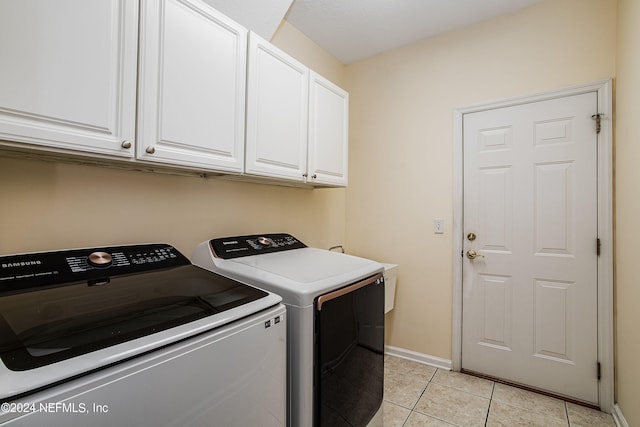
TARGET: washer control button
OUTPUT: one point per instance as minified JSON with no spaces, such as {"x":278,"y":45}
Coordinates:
{"x":100,"y":259}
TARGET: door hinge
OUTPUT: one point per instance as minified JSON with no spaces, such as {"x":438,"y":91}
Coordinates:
{"x":599,"y":371}
{"x":598,"y":119}
{"x":598,"y":246}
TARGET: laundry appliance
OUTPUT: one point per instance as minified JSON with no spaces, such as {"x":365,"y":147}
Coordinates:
{"x":335,"y":308}
{"x":136,"y":335}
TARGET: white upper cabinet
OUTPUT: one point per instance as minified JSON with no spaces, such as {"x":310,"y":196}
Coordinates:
{"x":297,"y":121}
{"x":328,"y":132}
{"x":191,"y":109}
{"x":167,"y":82}
{"x":68,"y":74}
{"x":277,"y":113}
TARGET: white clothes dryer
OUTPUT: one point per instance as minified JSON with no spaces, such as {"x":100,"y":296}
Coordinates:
{"x":335,"y":309}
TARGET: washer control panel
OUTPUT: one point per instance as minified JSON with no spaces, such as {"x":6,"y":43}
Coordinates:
{"x":24,"y":271}
{"x":239,"y":246}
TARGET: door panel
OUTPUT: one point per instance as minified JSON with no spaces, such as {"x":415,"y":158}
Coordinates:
{"x":530,"y":196}
{"x":497,"y":311}
{"x":553,"y":320}
{"x":554,"y":229}
{"x":494,"y":215}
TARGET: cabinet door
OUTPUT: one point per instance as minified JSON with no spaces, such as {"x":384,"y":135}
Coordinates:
{"x":328,"y":132}
{"x":69,"y":74}
{"x":277,"y":109}
{"x":192,"y":86}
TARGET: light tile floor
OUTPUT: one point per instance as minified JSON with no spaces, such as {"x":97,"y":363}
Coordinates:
{"x":417,"y":395}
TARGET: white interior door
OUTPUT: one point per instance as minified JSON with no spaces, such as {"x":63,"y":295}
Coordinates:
{"x":530,"y":198}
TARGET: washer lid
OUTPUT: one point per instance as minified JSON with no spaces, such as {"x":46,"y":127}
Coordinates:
{"x":63,"y":314}
{"x":45,"y":326}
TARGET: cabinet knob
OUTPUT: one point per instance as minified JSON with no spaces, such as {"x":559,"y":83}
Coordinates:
{"x":150,"y":149}
{"x":314,"y":176}
{"x":126,"y":144}
{"x":304,"y":175}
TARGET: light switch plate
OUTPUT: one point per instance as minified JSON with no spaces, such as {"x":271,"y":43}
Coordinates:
{"x":438,"y":226}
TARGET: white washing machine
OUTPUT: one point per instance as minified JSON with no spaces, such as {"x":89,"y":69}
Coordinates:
{"x":136,"y":336}
{"x":335,"y":308}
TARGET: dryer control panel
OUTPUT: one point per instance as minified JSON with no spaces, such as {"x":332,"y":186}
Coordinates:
{"x":239,"y":246}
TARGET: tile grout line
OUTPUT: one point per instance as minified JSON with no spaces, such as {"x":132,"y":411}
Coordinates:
{"x":419,"y":397}
{"x":422,"y":394}
{"x":423,"y":391}
{"x":414,"y":405}
{"x":413,"y":410}
{"x":493,"y":389}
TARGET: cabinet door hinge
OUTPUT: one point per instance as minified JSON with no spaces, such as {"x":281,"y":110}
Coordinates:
{"x":598,"y":119}
{"x":599,"y":371}
{"x":598,"y":246}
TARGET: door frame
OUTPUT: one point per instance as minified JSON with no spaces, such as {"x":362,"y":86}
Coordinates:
{"x":604,"y":89}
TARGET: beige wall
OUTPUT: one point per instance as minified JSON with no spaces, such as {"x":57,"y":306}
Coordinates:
{"x":628,"y":211}
{"x":46,"y":205}
{"x":401,"y":133}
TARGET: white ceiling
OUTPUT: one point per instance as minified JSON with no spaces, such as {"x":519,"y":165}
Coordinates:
{"x":260,"y":16}
{"x":352,"y":30}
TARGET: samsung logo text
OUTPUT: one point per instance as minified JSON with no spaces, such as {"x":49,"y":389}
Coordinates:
{"x":20,"y":264}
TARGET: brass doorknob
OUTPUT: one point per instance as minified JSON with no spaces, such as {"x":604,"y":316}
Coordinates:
{"x":471,"y":254}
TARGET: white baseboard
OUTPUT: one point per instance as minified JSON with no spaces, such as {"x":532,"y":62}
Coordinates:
{"x":425,"y":359}
{"x":618,"y":418}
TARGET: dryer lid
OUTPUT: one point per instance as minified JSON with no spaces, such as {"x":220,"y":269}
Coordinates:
{"x":308,"y":265}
